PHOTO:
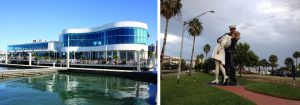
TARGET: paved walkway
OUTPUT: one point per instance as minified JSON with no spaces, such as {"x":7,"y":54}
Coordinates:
{"x":259,"y":99}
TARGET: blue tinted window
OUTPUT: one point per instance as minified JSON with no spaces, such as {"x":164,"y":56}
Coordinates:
{"x":122,"y":35}
{"x":32,"y":46}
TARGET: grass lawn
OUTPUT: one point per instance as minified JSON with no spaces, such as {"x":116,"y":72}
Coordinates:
{"x":273,"y":79}
{"x":194,"y":90}
{"x":273,"y":89}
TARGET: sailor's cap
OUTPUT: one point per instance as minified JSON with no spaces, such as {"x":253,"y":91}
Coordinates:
{"x":232,"y":26}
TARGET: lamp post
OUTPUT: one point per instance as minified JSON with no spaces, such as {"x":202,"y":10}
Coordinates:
{"x":184,"y":23}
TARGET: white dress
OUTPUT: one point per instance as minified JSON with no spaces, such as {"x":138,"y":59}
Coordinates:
{"x":225,"y":42}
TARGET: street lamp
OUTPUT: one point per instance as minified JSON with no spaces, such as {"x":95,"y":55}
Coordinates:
{"x":183,"y":26}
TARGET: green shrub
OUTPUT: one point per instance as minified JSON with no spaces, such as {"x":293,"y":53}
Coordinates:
{"x":209,"y":64}
{"x":198,"y":67}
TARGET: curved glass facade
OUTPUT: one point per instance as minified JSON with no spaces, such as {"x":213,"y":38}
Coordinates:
{"x":31,"y":46}
{"x":120,"y":35}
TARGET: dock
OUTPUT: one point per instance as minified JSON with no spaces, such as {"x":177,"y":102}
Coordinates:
{"x":147,"y":76}
{"x":27,"y":72}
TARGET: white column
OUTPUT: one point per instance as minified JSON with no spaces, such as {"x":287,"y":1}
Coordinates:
{"x":112,"y":54}
{"x":138,"y":61}
{"x":30,"y":56}
{"x":6,"y":58}
{"x":106,"y":53}
{"x":135,"y":55}
{"x":145,"y":58}
{"x":68,"y":59}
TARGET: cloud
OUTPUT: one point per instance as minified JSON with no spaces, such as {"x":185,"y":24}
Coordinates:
{"x":170,"y":38}
{"x":269,"y":26}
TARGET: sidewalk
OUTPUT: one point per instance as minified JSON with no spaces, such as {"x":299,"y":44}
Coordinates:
{"x":259,"y":99}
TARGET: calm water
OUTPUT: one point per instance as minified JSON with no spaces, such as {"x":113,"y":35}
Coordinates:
{"x":76,"y":89}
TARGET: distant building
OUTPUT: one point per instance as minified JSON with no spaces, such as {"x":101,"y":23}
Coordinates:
{"x":188,"y":62}
{"x":2,"y":55}
{"x":169,"y":59}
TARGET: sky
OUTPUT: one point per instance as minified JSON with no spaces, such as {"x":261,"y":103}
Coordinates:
{"x":268,"y":26}
{"x":22,"y":21}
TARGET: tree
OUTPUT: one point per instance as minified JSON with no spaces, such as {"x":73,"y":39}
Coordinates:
{"x":260,"y":64}
{"x":209,"y":64}
{"x":201,"y":57}
{"x":183,"y":65}
{"x":116,"y":58}
{"x":197,"y":60}
{"x":296,"y":55}
{"x":47,"y":55}
{"x":253,"y":59}
{"x":34,"y":54}
{"x":241,"y":55}
{"x":289,"y":62}
{"x":168,"y":9}
{"x":150,"y":54}
{"x":273,"y":60}
{"x":264,"y":64}
{"x":195,"y":29}
{"x":206,"y":49}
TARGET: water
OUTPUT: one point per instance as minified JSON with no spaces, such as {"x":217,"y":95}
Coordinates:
{"x":76,"y":89}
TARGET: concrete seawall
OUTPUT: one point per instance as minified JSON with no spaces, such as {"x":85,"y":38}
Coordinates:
{"x":146,"y":76}
{"x":25,"y":72}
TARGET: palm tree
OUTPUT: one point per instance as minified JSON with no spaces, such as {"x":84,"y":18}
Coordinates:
{"x":296,"y":55}
{"x":195,"y":29}
{"x":260,"y":64}
{"x":273,"y":59}
{"x":201,"y":57}
{"x":289,"y":62}
{"x":206,"y":49}
{"x":264,"y":64}
{"x":168,"y":9}
{"x":197,"y":59}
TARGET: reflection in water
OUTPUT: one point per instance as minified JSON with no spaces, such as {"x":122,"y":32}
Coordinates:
{"x":76,"y":89}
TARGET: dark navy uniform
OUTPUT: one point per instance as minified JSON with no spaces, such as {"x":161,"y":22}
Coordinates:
{"x":229,"y":61}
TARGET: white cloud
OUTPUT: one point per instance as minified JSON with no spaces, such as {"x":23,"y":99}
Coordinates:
{"x":269,"y":26}
{"x":171,"y":38}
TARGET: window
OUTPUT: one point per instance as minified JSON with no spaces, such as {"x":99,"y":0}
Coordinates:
{"x":121,"y":35}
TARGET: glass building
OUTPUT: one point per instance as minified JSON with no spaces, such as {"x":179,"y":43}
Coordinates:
{"x":34,"y":46}
{"x":120,"y":39}
{"x":122,"y":35}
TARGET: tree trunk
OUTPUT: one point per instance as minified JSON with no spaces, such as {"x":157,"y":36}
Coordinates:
{"x":191,"y":63}
{"x":240,"y":66}
{"x":296,"y":64}
{"x":272,"y":69}
{"x":164,"y":44}
{"x":259,"y":70}
{"x":249,"y":69}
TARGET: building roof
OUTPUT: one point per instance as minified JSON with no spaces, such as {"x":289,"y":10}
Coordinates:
{"x":106,"y":26}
